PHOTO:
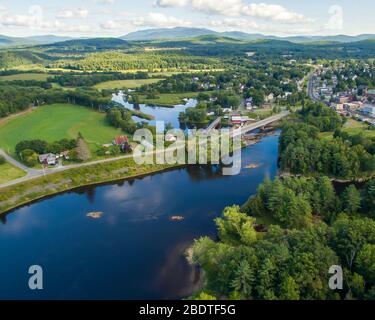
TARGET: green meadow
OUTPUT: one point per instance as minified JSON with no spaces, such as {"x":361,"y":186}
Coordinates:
{"x":9,"y":172}
{"x":55,"y":122}
{"x":352,"y":127}
{"x":168,"y":99}
{"x":26,"y":76}
{"x":130,"y":84}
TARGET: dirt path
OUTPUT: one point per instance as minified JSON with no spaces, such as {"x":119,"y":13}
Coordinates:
{"x":5,"y":120}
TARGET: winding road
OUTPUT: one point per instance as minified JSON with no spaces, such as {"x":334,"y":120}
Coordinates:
{"x":36,"y":173}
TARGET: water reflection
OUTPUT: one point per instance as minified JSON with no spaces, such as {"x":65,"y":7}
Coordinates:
{"x":134,"y":250}
{"x":168,"y":115}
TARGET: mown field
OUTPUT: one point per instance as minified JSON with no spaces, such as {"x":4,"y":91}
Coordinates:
{"x":8,"y":172}
{"x":130,"y":84}
{"x":55,"y":122}
{"x":352,"y":127}
{"x":26,"y":76}
{"x":168,"y":99}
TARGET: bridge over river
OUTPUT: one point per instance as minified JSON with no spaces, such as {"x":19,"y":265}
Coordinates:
{"x":249,"y":126}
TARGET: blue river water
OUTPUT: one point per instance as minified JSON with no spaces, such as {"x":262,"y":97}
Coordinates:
{"x":134,"y":251}
{"x":168,"y":115}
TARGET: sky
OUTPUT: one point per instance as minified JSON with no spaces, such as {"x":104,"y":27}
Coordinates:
{"x":96,"y":18}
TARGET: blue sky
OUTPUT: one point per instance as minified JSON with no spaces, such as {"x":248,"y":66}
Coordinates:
{"x":118,"y":17}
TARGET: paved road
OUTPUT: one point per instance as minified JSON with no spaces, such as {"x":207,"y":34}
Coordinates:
{"x":17,"y":164}
{"x":35,"y":173}
{"x":259,"y":124}
{"x":310,"y":89}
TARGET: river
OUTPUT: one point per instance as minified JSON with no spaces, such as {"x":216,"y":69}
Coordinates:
{"x":134,"y":251}
{"x":168,"y":115}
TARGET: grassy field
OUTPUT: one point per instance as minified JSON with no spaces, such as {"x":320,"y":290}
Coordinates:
{"x":55,"y":122}
{"x":26,"y":76}
{"x":130,"y":84}
{"x":352,"y":127}
{"x":168,"y":99}
{"x":8,"y":172}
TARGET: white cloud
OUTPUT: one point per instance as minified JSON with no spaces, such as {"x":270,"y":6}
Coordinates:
{"x":104,"y":1}
{"x":35,"y":21}
{"x":159,"y":20}
{"x":73,"y":14}
{"x":273,"y":12}
{"x":229,"y":23}
{"x":111,"y":25}
{"x":222,"y":7}
{"x":238,"y":8}
{"x":171,"y":3}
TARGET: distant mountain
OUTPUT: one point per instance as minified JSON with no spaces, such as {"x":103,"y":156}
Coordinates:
{"x":247,"y":36}
{"x":337,"y":38}
{"x":12,"y":41}
{"x":46,"y":39}
{"x":91,"y":44}
{"x":172,"y":34}
{"x":168,"y":33}
{"x":181,"y":33}
{"x":33,"y":40}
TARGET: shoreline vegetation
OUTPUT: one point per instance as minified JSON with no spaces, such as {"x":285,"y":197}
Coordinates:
{"x":23,"y":193}
{"x":18,"y":195}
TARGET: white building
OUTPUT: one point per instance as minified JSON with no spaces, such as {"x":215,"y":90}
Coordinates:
{"x":48,"y":159}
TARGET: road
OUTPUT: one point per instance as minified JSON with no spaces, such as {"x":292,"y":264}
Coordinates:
{"x":260,"y":124}
{"x":35,"y":173}
{"x":19,"y":165}
{"x":310,"y":89}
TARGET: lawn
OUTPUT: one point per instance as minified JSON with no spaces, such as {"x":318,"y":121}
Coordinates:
{"x":26,"y":76}
{"x":352,"y":127}
{"x":8,"y":172}
{"x":168,"y":99}
{"x":55,"y":122}
{"x":130,"y":84}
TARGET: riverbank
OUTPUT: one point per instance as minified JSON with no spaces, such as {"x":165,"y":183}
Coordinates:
{"x":284,"y":175}
{"x":250,"y":140}
{"x":136,"y":213}
{"x":23,"y":193}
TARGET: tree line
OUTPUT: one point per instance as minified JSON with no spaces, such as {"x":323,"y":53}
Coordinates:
{"x":89,"y":80}
{"x":304,"y":151}
{"x":290,"y":260}
{"x":15,"y":98}
{"x":117,"y":61}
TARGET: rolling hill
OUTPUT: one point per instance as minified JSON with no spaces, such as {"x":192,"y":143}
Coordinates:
{"x":10,"y":59}
{"x":184,"y":33}
{"x":33,"y":40}
{"x":92,"y":44}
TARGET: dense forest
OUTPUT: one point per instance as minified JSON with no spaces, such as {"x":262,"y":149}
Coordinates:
{"x":111,"y":54}
{"x":304,"y":151}
{"x":117,"y":61}
{"x":312,"y":229}
{"x":88,"y":80}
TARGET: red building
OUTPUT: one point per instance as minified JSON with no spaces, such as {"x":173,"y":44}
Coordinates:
{"x":121,"y":141}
